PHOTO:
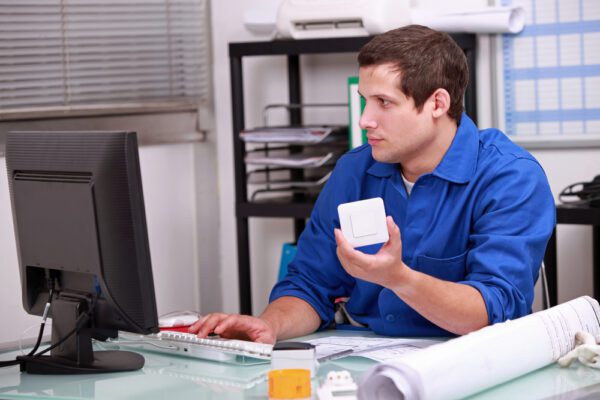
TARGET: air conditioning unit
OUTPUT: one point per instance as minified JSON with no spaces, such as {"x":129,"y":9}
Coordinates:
{"x":304,"y":19}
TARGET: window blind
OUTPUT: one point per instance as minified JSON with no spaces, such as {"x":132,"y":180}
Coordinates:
{"x":73,"y":55}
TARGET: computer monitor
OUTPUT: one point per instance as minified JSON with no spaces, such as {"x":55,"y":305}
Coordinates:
{"x":80,"y":228}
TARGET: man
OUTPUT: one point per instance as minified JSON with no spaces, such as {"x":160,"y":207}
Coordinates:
{"x":469,"y":212}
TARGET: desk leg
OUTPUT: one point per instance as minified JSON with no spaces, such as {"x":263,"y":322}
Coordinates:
{"x":552,"y":270}
{"x":596,"y":266}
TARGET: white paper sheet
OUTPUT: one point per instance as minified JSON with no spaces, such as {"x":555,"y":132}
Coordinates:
{"x":378,"y":349}
{"x":299,"y":135}
{"x":485,"y":358}
{"x":478,"y":20}
{"x":292,"y":160}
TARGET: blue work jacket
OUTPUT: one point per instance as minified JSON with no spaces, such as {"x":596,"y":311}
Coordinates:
{"x":482,"y":218}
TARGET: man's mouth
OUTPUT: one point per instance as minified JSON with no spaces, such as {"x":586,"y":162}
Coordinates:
{"x":373,"y":140}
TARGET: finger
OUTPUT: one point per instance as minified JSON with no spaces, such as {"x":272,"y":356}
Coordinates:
{"x":245,"y":327}
{"x":358,"y":259}
{"x":196,"y":325}
{"x":209,"y":325}
{"x":339,"y":236}
{"x":232,"y":321}
{"x":393,"y":229}
{"x":394,"y":233}
{"x":350,"y":257}
{"x":342,"y":243}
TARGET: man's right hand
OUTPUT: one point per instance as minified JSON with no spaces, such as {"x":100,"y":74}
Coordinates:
{"x":285,"y":318}
{"x":235,"y":326}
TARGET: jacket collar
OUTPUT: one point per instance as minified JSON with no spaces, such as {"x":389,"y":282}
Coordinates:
{"x":458,"y":164}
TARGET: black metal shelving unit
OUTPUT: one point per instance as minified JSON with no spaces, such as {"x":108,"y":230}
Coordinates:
{"x":297,"y":208}
{"x":573,"y":215}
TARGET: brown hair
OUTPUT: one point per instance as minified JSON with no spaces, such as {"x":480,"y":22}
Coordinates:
{"x":426,"y":59}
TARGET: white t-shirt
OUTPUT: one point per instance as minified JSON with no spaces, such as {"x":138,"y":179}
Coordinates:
{"x":407,"y":184}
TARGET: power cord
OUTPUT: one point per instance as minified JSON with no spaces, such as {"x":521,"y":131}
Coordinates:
{"x":40,"y":334}
{"x":9,"y":363}
{"x":43,"y":324}
{"x":82,"y":320}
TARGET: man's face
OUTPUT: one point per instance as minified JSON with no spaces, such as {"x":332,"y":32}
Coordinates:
{"x":396,"y":131}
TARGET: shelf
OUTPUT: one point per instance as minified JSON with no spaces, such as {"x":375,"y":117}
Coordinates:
{"x":327,"y":45}
{"x":280,"y":208}
{"x":577,"y":215}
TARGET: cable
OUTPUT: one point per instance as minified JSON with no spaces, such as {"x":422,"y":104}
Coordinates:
{"x":81,"y":321}
{"x":9,"y":363}
{"x":21,"y":350}
{"x":43,"y":324}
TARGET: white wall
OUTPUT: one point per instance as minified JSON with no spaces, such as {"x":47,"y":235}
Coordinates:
{"x":13,"y":320}
{"x":168,"y":176}
{"x":324,"y":81}
{"x":170,"y":194}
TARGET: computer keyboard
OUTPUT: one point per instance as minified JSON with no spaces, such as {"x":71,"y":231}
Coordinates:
{"x":189,"y":345}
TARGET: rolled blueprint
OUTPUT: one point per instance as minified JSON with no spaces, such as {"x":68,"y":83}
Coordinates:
{"x":488,"y":357}
{"x":478,"y":20}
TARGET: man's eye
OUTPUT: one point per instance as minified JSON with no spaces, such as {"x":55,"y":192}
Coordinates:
{"x":384,"y":102}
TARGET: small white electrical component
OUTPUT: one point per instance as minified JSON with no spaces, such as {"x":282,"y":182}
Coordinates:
{"x":363,"y":222}
{"x":338,"y":385}
{"x":586,"y":351}
{"x":294,"y":355}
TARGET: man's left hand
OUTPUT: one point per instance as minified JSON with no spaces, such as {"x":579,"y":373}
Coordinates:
{"x":384,"y":268}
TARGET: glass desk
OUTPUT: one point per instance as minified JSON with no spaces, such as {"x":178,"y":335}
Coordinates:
{"x":173,"y":377}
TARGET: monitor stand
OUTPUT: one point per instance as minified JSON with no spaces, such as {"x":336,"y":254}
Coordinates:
{"x":75,"y":355}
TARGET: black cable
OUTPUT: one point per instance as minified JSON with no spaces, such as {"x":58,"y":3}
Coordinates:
{"x":81,"y":321}
{"x":9,"y":363}
{"x":43,"y":325}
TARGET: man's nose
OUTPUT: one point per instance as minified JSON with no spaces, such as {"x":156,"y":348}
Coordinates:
{"x":367,"y":120}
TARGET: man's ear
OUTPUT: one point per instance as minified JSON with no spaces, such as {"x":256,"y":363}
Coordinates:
{"x":440,"y":101}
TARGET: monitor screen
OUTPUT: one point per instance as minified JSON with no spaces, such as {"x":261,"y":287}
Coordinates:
{"x":80,"y":228}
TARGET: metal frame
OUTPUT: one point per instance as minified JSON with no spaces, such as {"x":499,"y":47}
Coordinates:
{"x":580,"y":215}
{"x":299,"y":208}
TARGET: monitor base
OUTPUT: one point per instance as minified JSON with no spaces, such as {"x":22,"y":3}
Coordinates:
{"x":104,"y":361}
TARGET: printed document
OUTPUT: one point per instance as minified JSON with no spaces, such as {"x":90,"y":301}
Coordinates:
{"x":485,"y":358}
{"x":292,"y":160}
{"x":378,"y":349}
{"x":292,"y":135}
